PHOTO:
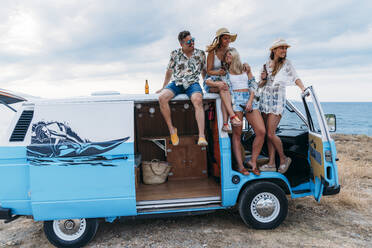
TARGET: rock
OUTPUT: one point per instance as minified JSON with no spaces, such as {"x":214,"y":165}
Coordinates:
{"x":299,"y":206}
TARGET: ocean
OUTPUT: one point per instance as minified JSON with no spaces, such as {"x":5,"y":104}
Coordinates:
{"x":351,"y":117}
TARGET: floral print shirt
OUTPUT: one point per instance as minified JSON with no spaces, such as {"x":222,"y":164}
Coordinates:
{"x":186,"y":70}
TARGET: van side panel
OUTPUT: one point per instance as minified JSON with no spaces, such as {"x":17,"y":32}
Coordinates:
{"x":81,"y":160}
{"x":14,"y":180}
{"x":84,"y":190}
{"x":229,"y":190}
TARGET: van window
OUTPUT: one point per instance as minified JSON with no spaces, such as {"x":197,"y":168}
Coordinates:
{"x":290,"y":119}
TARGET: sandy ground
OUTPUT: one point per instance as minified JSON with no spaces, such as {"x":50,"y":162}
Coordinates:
{"x":344,"y":220}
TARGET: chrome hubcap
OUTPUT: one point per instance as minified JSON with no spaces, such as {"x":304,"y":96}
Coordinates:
{"x":265,"y":207}
{"x":69,"y":230}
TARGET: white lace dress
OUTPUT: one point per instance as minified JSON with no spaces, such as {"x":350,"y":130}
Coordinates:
{"x":273,"y":94}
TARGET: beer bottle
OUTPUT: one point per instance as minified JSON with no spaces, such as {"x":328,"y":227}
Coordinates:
{"x":146,"y":87}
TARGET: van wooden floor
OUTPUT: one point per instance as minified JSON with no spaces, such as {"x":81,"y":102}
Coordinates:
{"x":179,"y":189}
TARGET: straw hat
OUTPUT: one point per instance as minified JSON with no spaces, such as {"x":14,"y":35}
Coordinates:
{"x":225,"y":31}
{"x":278,"y":43}
{"x":220,"y":32}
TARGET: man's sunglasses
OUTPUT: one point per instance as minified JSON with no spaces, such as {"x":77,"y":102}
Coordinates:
{"x":189,"y":41}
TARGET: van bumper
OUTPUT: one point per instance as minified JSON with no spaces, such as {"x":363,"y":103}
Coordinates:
{"x":332,"y":190}
{"x":5,"y":214}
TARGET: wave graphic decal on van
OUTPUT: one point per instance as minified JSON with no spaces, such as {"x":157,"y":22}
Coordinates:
{"x":56,"y":143}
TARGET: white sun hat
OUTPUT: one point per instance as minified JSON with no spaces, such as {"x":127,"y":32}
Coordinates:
{"x":278,"y":43}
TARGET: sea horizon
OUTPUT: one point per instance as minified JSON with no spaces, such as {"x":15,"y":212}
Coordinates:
{"x":351,"y":117}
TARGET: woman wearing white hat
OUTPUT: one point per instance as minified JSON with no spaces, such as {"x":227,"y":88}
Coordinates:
{"x":214,"y":81}
{"x":277,"y":73}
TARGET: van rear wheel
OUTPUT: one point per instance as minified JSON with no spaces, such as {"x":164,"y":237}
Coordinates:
{"x":70,"y":232}
{"x":263,"y":205}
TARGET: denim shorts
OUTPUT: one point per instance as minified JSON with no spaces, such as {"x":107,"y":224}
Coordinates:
{"x":241,"y":98}
{"x":213,"y":78}
{"x":193,"y":88}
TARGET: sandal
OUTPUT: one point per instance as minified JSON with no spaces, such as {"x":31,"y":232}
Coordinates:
{"x":226,"y":128}
{"x":174,"y":138}
{"x":244,"y":171}
{"x":202,"y":141}
{"x":284,"y":167}
{"x":256,"y":171}
{"x":235,"y":121}
{"x":267,"y":167}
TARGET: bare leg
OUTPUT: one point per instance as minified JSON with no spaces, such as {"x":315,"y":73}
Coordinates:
{"x":197,"y":101}
{"x":236,"y":136}
{"x":255,"y":119}
{"x":272,"y":124}
{"x":164,"y":99}
{"x":270,"y":146}
{"x":226,"y":100}
{"x":224,"y":114}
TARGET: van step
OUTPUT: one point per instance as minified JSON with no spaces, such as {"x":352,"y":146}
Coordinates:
{"x":301,"y":191}
{"x":188,"y":210}
{"x":170,"y":203}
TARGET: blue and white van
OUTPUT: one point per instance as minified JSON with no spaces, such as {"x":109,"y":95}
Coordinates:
{"x":73,"y":162}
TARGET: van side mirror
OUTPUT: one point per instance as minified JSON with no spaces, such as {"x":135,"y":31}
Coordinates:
{"x":331,"y":122}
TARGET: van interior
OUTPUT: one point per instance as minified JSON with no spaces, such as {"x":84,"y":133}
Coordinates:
{"x":194,"y":178}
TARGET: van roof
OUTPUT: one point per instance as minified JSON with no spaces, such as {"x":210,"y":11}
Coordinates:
{"x":138,"y":98}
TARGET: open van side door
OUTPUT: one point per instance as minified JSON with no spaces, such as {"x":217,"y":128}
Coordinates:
{"x":322,"y":149}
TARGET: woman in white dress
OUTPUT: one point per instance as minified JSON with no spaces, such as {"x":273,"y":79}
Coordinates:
{"x":243,"y":88}
{"x":277,"y":73}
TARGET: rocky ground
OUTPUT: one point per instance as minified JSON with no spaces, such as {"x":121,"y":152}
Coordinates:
{"x":344,"y":220}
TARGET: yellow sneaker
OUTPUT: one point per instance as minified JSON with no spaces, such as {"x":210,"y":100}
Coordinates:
{"x":202,"y":141}
{"x":174,"y":138}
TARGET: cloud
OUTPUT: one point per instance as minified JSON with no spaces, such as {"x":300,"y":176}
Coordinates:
{"x":69,"y":48}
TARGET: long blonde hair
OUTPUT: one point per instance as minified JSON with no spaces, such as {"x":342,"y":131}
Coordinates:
{"x":236,"y":65}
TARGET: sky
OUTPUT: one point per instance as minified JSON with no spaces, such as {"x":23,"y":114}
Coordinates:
{"x":56,"y":49}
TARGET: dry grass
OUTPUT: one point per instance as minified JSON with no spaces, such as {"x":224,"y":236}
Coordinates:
{"x":343,"y":220}
{"x":355,"y":172}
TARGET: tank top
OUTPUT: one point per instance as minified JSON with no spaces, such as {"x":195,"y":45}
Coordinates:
{"x":239,"y":82}
{"x":216,"y":63}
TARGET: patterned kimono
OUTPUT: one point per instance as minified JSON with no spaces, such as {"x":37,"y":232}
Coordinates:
{"x":273,"y":94}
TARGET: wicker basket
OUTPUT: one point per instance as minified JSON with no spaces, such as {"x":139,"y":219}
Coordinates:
{"x":155,"y":171}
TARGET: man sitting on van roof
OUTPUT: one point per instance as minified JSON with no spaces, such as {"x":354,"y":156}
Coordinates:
{"x":186,"y":64}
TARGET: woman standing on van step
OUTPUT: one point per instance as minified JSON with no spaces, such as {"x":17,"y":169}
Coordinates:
{"x":277,"y":73}
{"x":244,"y":86}
{"x":215,"y":79}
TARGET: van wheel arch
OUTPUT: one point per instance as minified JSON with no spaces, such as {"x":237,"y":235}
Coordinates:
{"x":282,"y":184}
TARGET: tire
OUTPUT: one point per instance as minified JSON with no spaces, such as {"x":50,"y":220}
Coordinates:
{"x":263,"y":205}
{"x":70,"y":233}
